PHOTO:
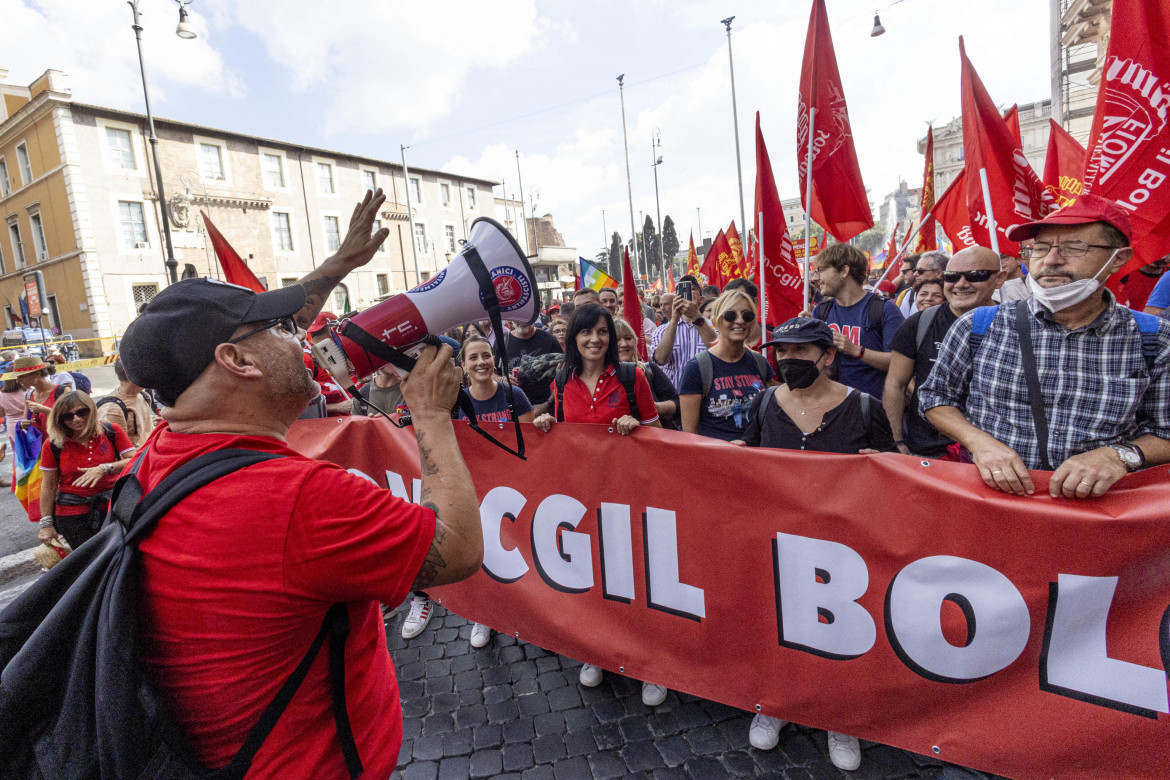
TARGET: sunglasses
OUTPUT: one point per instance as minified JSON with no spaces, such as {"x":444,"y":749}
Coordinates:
{"x":80,"y":414}
{"x":951,"y":277}
{"x":284,"y":323}
{"x":730,"y":316}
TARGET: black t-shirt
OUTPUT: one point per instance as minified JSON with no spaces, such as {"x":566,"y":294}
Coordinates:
{"x":921,"y":437}
{"x":842,"y":429}
{"x":541,"y":343}
{"x":663,"y":390}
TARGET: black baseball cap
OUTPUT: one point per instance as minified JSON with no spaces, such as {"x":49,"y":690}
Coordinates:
{"x":801,"y":330}
{"x":174,"y":338}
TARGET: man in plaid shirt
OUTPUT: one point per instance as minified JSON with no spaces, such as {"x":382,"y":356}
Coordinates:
{"x":1107,"y":411}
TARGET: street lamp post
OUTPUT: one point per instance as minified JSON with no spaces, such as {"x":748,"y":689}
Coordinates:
{"x":655,"y":145}
{"x":629,"y":180}
{"x":735,"y":123}
{"x":184,"y":31}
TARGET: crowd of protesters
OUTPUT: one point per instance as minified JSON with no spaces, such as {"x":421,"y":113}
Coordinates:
{"x":940,"y":362}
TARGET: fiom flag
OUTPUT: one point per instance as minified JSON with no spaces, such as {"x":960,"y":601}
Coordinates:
{"x":711,"y":272}
{"x":235,"y":271}
{"x":594,"y":278}
{"x":693,"y":259}
{"x":926,"y":242}
{"x":782,"y":284}
{"x":839,"y":203}
{"x":735,"y":267}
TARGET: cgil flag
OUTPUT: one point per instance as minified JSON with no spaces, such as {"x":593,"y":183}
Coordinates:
{"x":594,"y":278}
{"x":235,"y":270}
{"x":692,"y":258}
{"x":1128,"y":157}
{"x":926,"y":240}
{"x":1063,"y":165}
{"x":839,"y":203}
{"x":952,"y":215}
{"x":781,"y":283}
{"x":711,"y":272}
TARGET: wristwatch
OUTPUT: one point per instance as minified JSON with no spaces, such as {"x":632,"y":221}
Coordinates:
{"x":109,"y":468}
{"x":1131,"y":456}
{"x":698,"y":322}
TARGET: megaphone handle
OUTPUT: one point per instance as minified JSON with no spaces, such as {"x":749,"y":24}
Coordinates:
{"x":377,"y":348}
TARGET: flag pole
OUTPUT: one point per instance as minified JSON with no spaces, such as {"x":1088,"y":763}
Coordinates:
{"x":992,"y":228}
{"x":763,"y":285}
{"x":808,"y":173}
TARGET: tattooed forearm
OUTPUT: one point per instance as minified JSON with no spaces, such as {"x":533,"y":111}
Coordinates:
{"x":429,"y":469}
{"x":317,"y":291}
{"x":434,"y":562}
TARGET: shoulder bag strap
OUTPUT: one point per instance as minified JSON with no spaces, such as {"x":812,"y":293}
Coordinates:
{"x":705,"y":371}
{"x":1035,"y":397}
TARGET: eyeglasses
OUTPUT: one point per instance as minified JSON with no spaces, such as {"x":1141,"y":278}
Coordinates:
{"x":1068,"y":250}
{"x":80,"y":414}
{"x":975,"y":277}
{"x":285,"y":323}
{"x":731,"y":316}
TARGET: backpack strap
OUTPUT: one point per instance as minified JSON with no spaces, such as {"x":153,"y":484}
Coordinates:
{"x":874,"y":311}
{"x":111,"y":437}
{"x":761,"y":365}
{"x":1032,"y":376}
{"x":627,"y":375}
{"x":561,"y":378}
{"x":980,"y":322}
{"x":1151,"y":344}
{"x":924,"y":321}
{"x":57,"y":390}
{"x":769,"y":394}
{"x":705,"y":371}
{"x":866,"y":400}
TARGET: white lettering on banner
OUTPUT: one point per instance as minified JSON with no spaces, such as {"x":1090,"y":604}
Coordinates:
{"x":664,"y":590}
{"x":367,"y":477}
{"x":1075,"y":661}
{"x":501,"y":564}
{"x":617,"y":552}
{"x":988,"y":600}
{"x":398,"y":487}
{"x":563,"y":557}
{"x":820,"y":579}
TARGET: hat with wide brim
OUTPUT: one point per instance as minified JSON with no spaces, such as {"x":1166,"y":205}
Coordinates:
{"x":26,"y":364}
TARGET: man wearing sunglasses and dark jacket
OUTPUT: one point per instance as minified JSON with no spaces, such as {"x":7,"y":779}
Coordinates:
{"x":971,"y":277}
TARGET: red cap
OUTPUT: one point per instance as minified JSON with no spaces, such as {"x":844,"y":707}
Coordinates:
{"x":323,"y":319}
{"x":887,"y":287}
{"x":1084,"y":210}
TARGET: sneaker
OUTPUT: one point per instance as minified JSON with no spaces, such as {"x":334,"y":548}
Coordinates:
{"x":388,"y":613}
{"x":765,"y":732}
{"x":653,"y":695}
{"x":420,"y":614}
{"x":480,"y":635}
{"x":590,"y":675}
{"x":844,"y":751}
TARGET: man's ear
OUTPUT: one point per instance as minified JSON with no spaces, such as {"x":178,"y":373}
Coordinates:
{"x":236,"y":361}
{"x":1123,"y":256}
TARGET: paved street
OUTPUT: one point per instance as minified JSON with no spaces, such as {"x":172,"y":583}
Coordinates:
{"x":513,"y":710}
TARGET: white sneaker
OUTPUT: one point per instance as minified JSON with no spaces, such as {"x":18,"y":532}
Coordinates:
{"x":653,"y":695}
{"x":765,"y":732}
{"x":420,"y":614}
{"x":844,"y":751}
{"x":480,"y":635}
{"x":590,"y":675}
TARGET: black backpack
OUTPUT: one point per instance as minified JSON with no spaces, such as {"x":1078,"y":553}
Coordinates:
{"x":625,"y":375}
{"x":74,"y":701}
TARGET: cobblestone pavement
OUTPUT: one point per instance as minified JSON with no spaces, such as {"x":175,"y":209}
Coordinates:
{"x":513,"y":710}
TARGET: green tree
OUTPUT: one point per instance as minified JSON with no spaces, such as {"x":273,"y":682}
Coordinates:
{"x":871,"y":240}
{"x":652,"y":259}
{"x":670,"y":243}
{"x":614,"y":265}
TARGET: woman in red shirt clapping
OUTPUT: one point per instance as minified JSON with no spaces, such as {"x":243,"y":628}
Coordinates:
{"x":80,"y":463}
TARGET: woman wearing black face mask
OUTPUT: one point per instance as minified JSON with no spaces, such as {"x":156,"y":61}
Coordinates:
{"x":810,"y":411}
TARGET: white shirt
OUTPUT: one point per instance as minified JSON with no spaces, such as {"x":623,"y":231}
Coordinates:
{"x":1012,"y":290}
{"x":64,"y":379}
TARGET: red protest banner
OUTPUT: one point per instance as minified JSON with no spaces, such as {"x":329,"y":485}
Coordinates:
{"x":1018,"y":635}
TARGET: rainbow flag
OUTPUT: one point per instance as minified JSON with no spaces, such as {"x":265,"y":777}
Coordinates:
{"x":26,"y":457}
{"x":593,"y":277}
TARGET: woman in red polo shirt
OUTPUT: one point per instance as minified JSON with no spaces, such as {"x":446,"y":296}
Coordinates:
{"x":593,"y":393}
{"x":80,"y":463}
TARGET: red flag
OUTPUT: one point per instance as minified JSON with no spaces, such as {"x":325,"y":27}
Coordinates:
{"x":1011,"y":118}
{"x":1017,"y":195}
{"x":670,"y":277}
{"x":1064,"y":165}
{"x":631,"y":308}
{"x":1128,"y":157}
{"x":692,"y":259}
{"x":711,"y":272}
{"x":926,"y":240}
{"x":235,"y":271}
{"x":895,"y":268}
{"x":736,"y":264}
{"x":839,"y":203}
{"x":952,"y":215}
{"x":782,"y":284}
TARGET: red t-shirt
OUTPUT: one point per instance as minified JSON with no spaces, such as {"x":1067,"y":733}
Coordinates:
{"x":1136,"y":289}
{"x":236,"y":580}
{"x":39,"y":419}
{"x":77,"y":457}
{"x":608,"y":401}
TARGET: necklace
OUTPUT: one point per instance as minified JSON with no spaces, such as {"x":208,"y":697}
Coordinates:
{"x":804,"y":412}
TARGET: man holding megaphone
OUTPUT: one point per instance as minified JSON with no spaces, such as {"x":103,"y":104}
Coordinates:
{"x":238,"y":577}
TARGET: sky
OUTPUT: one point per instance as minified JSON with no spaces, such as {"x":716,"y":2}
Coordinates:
{"x":467,"y":84}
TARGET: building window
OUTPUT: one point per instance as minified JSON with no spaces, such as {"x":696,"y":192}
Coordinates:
{"x":211,"y":162}
{"x":288,"y":281}
{"x":143,"y":293}
{"x":471,"y":197}
{"x":133,"y":219}
{"x":370,"y":178}
{"x":281,"y":232}
{"x":377,"y":227}
{"x":416,"y":191}
{"x":420,"y":237}
{"x":121,"y":151}
{"x":17,"y":244}
{"x":449,"y":235}
{"x":325,"y":179}
{"x":445,"y":194}
{"x":25,"y":164}
{"x":383,"y":284}
{"x":332,"y":234}
{"x":341,"y":299}
{"x":5,"y":185}
{"x":274,"y":171}
{"x":38,"y":231}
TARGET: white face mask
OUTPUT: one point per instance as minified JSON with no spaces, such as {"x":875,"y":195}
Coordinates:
{"x":1059,"y":298}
